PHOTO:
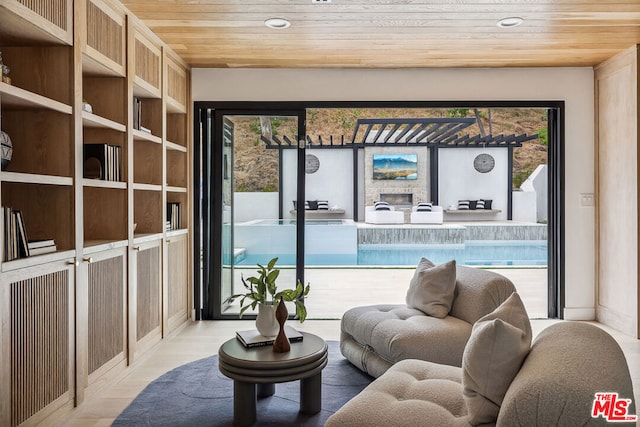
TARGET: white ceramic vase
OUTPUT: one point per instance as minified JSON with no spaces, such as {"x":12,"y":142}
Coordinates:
{"x":266,"y":322}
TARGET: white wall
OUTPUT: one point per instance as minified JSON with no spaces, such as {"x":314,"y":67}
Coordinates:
{"x":289,"y":181}
{"x":524,"y":206}
{"x":334,"y":179}
{"x":537,"y":182}
{"x":459,"y":180}
{"x":248,"y":206}
{"x":575,"y":86}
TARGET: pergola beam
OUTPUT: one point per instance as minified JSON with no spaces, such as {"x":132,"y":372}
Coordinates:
{"x":419,"y":132}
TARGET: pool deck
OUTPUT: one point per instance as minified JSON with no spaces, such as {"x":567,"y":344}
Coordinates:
{"x":335,"y":290}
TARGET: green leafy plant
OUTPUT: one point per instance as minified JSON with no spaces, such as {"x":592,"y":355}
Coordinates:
{"x":543,"y":136}
{"x":263,"y":289}
{"x":457,"y":112}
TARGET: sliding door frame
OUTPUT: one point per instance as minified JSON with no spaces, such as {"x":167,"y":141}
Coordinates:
{"x":212,"y":262}
{"x":555,"y":153}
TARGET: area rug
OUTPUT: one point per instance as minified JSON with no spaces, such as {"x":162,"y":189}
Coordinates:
{"x":197,"y":394}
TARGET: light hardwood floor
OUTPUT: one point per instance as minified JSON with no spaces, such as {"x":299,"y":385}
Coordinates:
{"x":202,"y":339}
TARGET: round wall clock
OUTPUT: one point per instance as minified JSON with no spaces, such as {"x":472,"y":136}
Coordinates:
{"x":312,"y":164}
{"x":484,"y":163}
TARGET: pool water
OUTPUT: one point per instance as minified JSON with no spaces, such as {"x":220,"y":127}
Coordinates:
{"x":475,"y":253}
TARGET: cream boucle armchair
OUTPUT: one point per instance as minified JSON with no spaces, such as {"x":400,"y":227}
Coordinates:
{"x":568,"y":363}
{"x":375,"y":337}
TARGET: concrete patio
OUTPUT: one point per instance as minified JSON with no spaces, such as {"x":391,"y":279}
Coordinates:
{"x":335,"y":290}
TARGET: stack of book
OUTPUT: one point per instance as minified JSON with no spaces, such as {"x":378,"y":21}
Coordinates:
{"x":39,"y":247}
{"x":15,"y":235}
{"x":103,"y":161}
{"x":252,"y":337}
{"x":16,"y":244}
{"x":173,"y":216}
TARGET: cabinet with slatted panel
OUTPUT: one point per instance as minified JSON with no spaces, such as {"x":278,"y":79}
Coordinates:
{"x":176,"y":197}
{"x":102,"y":146}
{"x":117,"y":281}
{"x":147,"y":132}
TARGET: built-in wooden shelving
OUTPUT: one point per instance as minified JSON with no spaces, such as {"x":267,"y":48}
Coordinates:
{"x":118,"y":281}
{"x":90,"y":120}
{"x":14,"y":97}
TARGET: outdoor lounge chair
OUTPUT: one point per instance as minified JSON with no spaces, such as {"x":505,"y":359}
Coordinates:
{"x":436,"y":216}
{"x":391,"y":216}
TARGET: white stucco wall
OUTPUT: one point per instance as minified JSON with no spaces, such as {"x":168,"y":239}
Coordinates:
{"x":538,"y":183}
{"x":524,"y":206}
{"x":572,"y":85}
{"x":248,"y":206}
{"x":289,"y":180}
{"x":334,"y":179}
{"x":459,"y":180}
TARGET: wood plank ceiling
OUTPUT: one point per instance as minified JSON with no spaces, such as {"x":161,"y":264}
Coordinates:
{"x":392,"y":33}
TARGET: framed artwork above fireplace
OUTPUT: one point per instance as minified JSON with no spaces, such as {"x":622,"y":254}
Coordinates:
{"x":395,"y":166}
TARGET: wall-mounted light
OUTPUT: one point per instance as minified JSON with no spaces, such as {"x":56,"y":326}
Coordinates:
{"x":277,"y":23}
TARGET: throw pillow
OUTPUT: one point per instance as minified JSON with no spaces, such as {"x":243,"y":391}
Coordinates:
{"x":424,"y":207}
{"x":383,"y":207}
{"x":473,"y":204}
{"x":313,"y":204}
{"x":463,"y":205}
{"x":323,"y":205}
{"x":376,"y":204}
{"x":487,"y":203}
{"x":432,"y":288}
{"x":480,"y":204}
{"x":499,"y":343}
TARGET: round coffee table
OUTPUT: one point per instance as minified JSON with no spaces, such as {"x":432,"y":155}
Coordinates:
{"x":260,"y":366}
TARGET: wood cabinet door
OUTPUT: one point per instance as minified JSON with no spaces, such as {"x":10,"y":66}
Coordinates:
{"x":36,"y":341}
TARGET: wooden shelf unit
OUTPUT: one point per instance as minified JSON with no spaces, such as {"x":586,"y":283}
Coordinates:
{"x":39,"y":21}
{"x":147,"y":163}
{"x":18,"y":98}
{"x":105,"y":39}
{"x":37,"y":114}
{"x":119,"y":282}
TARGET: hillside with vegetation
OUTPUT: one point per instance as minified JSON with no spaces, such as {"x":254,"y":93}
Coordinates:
{"x":256,"y":168}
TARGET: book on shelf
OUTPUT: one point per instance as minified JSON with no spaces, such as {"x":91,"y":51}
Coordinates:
{"x":252,"y":338}
{"x":23,"y":247}
{"x":15,"y":235}
{"x":35,"y":244}
{"x":102,"y":161}
{"x":173,"y":216}
{"x":137,"y":112}
{"x":43,"y":250}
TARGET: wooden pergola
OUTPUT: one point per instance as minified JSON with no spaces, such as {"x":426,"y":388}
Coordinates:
{"x":426,"y":132}
{"x":431,"y":133}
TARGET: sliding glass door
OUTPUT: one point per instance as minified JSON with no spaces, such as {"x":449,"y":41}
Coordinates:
{"x":274,"y":194}
{"x":255,"y":158}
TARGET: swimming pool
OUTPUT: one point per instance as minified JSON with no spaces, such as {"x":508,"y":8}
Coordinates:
{"x":475,"y":253}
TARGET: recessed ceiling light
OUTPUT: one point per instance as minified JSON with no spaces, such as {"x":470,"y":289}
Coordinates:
{"x":277,"y":23}
{"x":510,"y":22}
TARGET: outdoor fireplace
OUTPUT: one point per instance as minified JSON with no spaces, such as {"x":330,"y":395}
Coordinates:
{"x":397,"y":199}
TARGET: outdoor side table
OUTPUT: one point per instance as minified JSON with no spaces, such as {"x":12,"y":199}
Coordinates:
{"x":261,"y":367}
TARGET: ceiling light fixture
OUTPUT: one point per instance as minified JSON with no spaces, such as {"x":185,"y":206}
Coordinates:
{"x":510,"y":22}
{"x":277,"y":23}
